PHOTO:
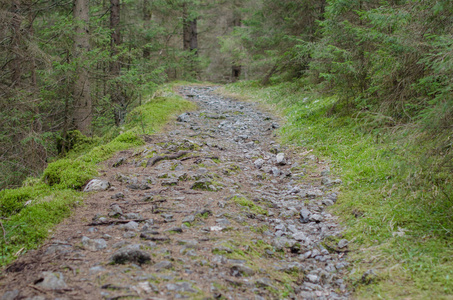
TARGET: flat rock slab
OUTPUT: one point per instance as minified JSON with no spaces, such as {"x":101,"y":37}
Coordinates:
{"x":96,"y":185}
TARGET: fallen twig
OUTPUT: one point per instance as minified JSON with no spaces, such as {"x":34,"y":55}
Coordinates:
{"x":149,"y":202}
{"x":206,"y":157}
{"x":110,"y":222}
{"x":192,"y":193}
{"x":37,"y":288}
{"x":154,"y":160}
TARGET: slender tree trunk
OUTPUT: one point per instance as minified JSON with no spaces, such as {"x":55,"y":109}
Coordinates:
{"x":269,"y":74}
{"x":31,"y":33}
{"x":16,"y":63}
{"x":190,"y":33}
{"x":190,"y":39}
{"x":146,"y":20}
{"x":236,"y":69}
{"x":115,"y":41}
{"x":322,"y":10}
{"x":82,"y":116}
{"x":117,"y":96}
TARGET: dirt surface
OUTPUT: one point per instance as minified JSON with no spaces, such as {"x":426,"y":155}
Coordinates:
{"x":221,"y":211}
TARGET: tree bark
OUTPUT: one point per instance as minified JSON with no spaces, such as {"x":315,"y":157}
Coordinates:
{"x":117,"y":97}
{"x":82,"y":116}
{"x":190,"y":33}
{"x":236,"y":69}
{"x":16,"y":63}
{"x":146,"y":20}
{"x":115,"y":41}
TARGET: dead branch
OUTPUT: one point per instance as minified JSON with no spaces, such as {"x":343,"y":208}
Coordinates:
{"x":206,"y":157}
{"x":149,"y":202}
{"x":114,"y":222}
{"x":154,"y":160}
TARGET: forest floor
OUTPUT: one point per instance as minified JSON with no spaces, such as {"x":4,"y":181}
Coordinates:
{"x":222,"y":211}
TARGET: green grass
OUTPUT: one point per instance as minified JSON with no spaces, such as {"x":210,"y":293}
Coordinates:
{"x":392,"y":184}
{"x":250,"y":204}
{"x":29,"y":213}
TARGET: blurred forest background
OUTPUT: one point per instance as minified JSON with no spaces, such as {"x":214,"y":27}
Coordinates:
{"x":84,"y":64}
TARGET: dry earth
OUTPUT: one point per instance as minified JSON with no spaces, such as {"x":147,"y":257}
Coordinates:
{"x":222,"y":211}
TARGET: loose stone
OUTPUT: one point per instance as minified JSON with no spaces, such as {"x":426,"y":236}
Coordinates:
{"x":132,"y":254}
{"x":51,"y":281}
{"x":96,"y":185}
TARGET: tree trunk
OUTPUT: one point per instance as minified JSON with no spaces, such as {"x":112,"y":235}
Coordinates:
{"x":146,"y":21}
{"x":117,"y":97}
{"x":82,"y":116}
{"x":16,"y":63}
{"x":236,"y":72}
{"x":190,"y":33}
{"x":236,"y":68}
{"x":115,"y":41}
{"x":268,"y":76}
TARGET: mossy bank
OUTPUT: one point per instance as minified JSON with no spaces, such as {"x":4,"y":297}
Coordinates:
{"x":396,"y":198}
{"x":29,"y":213}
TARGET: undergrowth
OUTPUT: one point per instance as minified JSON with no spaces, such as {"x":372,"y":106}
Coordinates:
{"x":28,"y":213}
{"x":396,"y":200}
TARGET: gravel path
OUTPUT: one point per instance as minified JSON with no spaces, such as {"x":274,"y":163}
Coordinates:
{"x":214,"y":208}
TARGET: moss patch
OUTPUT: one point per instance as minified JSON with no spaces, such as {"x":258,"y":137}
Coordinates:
{"x":242,"y":201}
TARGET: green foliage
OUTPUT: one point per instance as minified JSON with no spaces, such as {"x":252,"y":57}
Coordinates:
{"x":69,"y":173}
{"x":242,"y":201}
{"x":152,"y":115}
{"x":12,"y":200}
{"x":28,"y":228}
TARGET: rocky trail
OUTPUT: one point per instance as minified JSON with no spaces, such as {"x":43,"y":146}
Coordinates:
{"x":213,"y":208}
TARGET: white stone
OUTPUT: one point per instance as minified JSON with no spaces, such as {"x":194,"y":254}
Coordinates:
{"x":96,"y":185}
{"x":313,"y":278}
{"x":300,"y":236}
{"x":259,"y":163}
{"x":281,"y":159}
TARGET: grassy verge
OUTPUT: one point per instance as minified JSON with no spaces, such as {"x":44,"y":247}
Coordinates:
{"x":28,"y":214}
{"x":396,"y":200}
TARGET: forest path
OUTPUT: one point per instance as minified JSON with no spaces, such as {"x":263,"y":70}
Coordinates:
{"x":224,"y":213}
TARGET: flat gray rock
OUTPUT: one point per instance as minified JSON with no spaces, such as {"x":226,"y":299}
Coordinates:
{"x":51,"y":281}
{"x":96,"y":185}
{"x":343,"y":243}
{"x":131,"y":254}
{"x":10,"y":295}
{"x":237,"y":270}
{"x":163,"y":265}
{"x":131,"y":226}
{"x":181,"y":287}
{"x":94,"y":244}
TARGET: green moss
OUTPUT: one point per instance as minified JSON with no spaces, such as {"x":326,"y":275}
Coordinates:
{"x":250,"y":204}
{"x":69,"y":173}
{"x":204,"y":185}
{"x":33,"y":223}
{"x":260,"y":229}
{"x":12,"y":200}
{"x":76,"y":142}
{"x":151,"y":116}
